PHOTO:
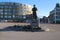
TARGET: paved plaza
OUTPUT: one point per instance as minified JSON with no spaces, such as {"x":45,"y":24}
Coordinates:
{"x":53,"y":34}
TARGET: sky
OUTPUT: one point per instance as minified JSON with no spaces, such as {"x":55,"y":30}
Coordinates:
{"x":44,"y":6}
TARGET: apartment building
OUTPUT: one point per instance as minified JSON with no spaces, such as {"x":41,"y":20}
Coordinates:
{"x":14,"y":11}
{"x":54,"y":16}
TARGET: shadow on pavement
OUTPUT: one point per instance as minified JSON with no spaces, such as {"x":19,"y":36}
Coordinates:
{"x":21,"y":28}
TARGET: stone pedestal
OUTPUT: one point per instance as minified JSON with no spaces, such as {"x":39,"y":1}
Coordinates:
{"x":34,"y":24}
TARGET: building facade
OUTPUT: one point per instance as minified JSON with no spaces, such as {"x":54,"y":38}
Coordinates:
{"x":44,"y":19}
{"x":14,"y":11}
{"x":54,"y":16}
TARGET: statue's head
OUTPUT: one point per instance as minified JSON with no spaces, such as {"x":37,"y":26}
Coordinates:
{"x":34,"y":5}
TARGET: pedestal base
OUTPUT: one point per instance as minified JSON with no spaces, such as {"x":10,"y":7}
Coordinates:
{"x":35,"y":24}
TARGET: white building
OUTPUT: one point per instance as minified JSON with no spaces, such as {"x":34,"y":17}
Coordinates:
{"x":55,"y":14}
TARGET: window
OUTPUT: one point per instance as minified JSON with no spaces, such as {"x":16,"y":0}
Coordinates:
{"x":5,"y":13}
{"x":1,"y":16}
{"x":6,"y":6}
{"x":20,"y":16}
{"x":2,"y":3}
{"x":58,"y":9}
{"x":9,"y":10}
{"x":1,"y":10}
{"x":9,"y":16}
{"x":5,"y":10}
{"x":20,"y":12}
{"x":13,"y":16}
{"x":57,"y":13}
{"x":58,"y":17}
{"x":1,"y":13}
{"x":15,"y":11}
{"x":10,"y":6}
{"x":20,"y":4}
{"x":25,"y":10}
{"x":1,"y":6}
{"x":9,"y":13}
{"x":5,"y":16}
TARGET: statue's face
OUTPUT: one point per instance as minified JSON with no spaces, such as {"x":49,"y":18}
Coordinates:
{"x":34,"y":5}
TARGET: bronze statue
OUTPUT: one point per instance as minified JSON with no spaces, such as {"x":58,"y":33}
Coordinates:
{"x":34,"y":9}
